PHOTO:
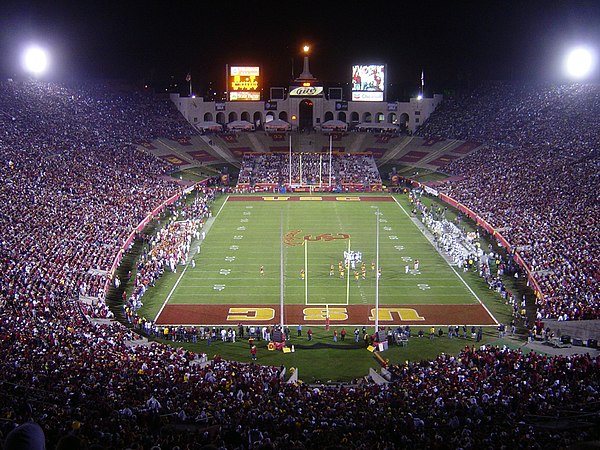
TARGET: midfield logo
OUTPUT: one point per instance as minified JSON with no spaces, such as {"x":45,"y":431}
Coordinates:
{"x":291,"y":237}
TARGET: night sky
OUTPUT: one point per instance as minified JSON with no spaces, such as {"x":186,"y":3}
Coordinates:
{"x":453,"y":43}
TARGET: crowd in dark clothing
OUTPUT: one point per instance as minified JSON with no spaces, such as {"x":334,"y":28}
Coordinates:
{"x":308,"y":169}
{"x":537,"y":180}
{"x":73,"y":188}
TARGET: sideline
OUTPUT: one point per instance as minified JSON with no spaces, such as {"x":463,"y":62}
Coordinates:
{"x":449,"y":265}
{"x":207,"y":226}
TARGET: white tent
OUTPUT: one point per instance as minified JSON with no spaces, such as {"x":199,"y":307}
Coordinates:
{"x":242,"y":125}
{"x":377,"y":126}
{"x":334,"y":125}
{"x":209,"y":126}
{"x":276,"y":125}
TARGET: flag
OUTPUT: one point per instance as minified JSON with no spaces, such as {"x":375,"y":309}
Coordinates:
{"x":422,"y":78}
{"x":188,"y":77}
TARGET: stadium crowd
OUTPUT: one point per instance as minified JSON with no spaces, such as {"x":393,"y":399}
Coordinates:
{"x":308,"y":168}
{"x":73,"y":189}
{"x":169,"y":248}
{"x":537,"y":180}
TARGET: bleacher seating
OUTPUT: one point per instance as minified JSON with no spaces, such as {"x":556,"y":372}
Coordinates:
{"x":73,"y":187}
{"x":536,"y":178}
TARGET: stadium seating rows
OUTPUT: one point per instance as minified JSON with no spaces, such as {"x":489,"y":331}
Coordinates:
{"x":308,"y":168}
{"x":73,"y":188}
{"x":537,"y":179}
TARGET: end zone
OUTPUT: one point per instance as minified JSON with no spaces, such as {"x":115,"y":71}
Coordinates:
{"x":312,"y":198}
{"x":339,"y":315}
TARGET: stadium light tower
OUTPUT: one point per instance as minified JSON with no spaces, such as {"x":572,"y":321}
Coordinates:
{"x":579,"y":62}
{"x":35,"y":60}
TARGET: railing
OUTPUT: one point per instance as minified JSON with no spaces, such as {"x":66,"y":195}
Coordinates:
{"x":140,"y":226}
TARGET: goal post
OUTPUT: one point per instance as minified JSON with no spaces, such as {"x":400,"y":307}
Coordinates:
{"x":306,"y":271}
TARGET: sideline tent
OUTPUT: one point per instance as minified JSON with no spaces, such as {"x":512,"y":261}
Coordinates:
{"x":209,"y":126}
{"x":377,"y":126}
{"x":334,"y":125}
{"x":276,"y":125}
{"x":241,"y":125}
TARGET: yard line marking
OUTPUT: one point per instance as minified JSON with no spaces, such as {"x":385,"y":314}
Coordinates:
{"x":276,"y":295}
{"x":455,"y":272}
{"x":362,"y":294}
{"x":222,"y":206}
{"x":183,"y":271}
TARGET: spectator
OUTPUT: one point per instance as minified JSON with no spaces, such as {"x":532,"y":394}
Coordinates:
{"x":535,"y":178}
{"x":74,"y":189}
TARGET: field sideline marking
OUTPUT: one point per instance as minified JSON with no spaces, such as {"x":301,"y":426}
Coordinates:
{"x":455,"y":272}
{"x":183,"y":272}
{"x":222,"y":206}
{"x":170,"y":293}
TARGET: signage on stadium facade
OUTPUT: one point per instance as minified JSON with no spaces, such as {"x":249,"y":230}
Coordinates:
{"x":367,"y":96}
{"x":244,"y":96}
{"x":306,"y":91}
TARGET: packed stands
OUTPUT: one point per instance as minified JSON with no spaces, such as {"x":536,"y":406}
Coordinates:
{"x":73,"y":188}
{"x":74,"y":184}
{"x":536,"y":179}
{"x":271,"y":170}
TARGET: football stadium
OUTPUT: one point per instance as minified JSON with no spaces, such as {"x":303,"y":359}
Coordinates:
{"x":301,"y":264}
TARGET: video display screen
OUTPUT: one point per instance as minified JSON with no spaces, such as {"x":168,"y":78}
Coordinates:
{"x":368,"y":82}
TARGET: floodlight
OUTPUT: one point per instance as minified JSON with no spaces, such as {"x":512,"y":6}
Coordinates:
{"x":306,"y":48}
{"x":35,"y":60}
{"x":579,"y":62}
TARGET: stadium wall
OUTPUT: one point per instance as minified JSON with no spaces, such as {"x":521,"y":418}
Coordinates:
{"x":413,"y":112}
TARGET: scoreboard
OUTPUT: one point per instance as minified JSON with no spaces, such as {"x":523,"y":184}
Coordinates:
{"x":244,"y":83}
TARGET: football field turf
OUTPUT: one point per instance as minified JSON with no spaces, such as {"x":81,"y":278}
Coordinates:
{"x":310,"y":235}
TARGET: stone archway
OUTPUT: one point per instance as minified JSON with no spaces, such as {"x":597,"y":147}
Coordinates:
{"x":305,"y":111}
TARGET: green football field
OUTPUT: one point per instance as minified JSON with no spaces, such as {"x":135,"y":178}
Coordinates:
{"x":301,"y":238}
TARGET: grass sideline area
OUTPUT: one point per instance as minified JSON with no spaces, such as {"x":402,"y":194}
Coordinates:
{"x":322,"y":359}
